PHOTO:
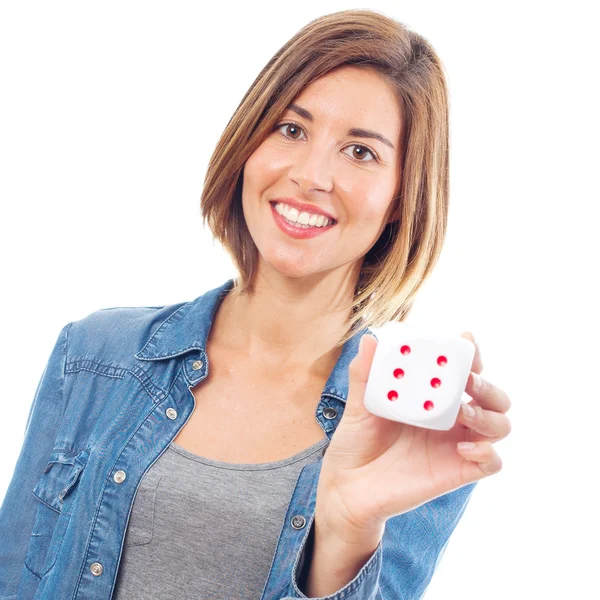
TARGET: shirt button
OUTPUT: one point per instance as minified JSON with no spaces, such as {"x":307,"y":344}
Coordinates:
{"x":171,"y":413}
{"x":330,"y":413}
{"x":96,"y":569}
{"x":119,"y":476}
{"x":298,"y":522}
{"x":197,"y":364}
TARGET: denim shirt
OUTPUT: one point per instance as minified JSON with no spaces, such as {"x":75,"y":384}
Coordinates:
{"x":115,"y":392}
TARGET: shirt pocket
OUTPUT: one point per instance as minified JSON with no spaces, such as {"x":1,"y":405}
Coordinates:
{"x":140,"y":527}
{"x":54,"y":490}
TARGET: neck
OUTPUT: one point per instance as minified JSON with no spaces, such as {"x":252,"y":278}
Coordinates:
{"x":286,"y":322}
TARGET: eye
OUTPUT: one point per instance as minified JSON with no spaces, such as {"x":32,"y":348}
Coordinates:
{"x":291,"y":126}
{"x":364,"y":149}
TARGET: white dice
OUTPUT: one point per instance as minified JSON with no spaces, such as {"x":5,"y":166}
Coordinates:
{"x":418,"y":378}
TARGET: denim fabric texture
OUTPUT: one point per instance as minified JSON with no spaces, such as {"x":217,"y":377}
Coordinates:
{"x":115,"y":392}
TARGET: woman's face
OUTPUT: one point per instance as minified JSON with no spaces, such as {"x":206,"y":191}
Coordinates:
{"x":325,"y":166}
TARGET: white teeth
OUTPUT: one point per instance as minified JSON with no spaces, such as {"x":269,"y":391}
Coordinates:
{"x":300,"y":225}
{"x":301,"y":219}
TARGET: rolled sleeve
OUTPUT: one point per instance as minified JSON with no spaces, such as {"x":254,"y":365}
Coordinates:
{"x":364,"y":586}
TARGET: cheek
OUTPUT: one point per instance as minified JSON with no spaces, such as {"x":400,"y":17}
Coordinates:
{"x":262,"y":166}
{"x":369,"y":199}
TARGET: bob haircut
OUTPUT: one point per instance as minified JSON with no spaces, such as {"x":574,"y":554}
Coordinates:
{"x":406,"y":252}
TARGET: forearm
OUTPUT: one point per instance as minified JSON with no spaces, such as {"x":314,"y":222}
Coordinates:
{"x":336,"y":561}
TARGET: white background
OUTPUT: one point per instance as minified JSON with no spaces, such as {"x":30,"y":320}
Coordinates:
{"x":109,"y":113}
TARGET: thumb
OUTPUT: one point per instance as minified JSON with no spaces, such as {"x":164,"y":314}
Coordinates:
{"x":358,"y":374}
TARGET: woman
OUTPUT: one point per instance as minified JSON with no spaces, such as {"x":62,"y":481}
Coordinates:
{"x":179,"y":451}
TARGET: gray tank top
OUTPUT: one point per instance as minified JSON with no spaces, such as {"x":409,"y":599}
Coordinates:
{"x":201,"y":528}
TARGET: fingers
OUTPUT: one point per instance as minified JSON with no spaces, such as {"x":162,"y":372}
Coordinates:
{"x":483,"y":460}
{"x":486,"y":394}
{"x":484,"y":424}
{"x":490,"y":403}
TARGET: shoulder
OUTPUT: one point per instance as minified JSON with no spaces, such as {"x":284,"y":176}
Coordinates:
{"x":114,"y":335}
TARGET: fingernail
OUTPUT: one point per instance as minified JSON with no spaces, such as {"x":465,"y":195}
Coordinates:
{"x":469,"y":410}
{"x":466,"y":445}
{"x":476,"y":381}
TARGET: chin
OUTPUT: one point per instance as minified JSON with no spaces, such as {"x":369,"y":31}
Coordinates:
{"x":287,"y":267}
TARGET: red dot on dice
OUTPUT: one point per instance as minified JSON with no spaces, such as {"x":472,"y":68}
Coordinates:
{"x":398,"y":373}
{"x":428,"y":405}
{"x":442,"y":360}
{"x":392,"y":395}
{"x":405,"y":350}
{"x":435,"y":382}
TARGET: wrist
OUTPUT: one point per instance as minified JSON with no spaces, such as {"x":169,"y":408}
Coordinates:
{"x":346,"y":539}
{"x":337,"y":557}
{"x":340,"y":532}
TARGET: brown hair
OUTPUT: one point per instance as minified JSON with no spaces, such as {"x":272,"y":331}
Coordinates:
{"x":395,"y":267}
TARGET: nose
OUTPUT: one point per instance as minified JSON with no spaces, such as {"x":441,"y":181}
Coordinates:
{"x":311,"y":170}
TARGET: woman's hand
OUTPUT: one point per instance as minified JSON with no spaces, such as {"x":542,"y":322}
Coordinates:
{"x":375,"y":468}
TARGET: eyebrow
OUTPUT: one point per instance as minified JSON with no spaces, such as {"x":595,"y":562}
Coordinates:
{"x":353,"y":131}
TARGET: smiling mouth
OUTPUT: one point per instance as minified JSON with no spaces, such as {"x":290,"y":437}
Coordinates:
{"x":308,"y":220}
{"x":298,"y":230}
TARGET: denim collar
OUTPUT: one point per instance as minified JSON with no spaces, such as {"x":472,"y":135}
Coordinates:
{"x":188,"y":327}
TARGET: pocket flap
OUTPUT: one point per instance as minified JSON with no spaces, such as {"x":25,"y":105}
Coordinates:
{"x":59,"y":476}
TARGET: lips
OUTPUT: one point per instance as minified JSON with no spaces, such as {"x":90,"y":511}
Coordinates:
{"x":297,"y":232}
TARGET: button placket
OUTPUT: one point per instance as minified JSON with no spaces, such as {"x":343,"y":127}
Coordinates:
{"x":119,"y":476}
